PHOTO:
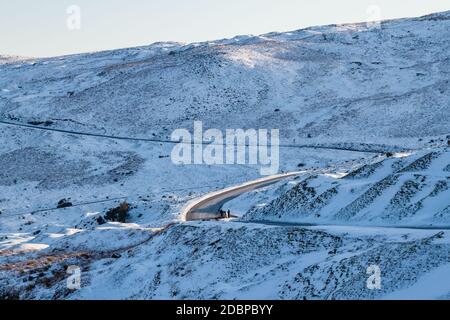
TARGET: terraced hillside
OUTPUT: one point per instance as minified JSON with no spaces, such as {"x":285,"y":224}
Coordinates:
{"x":398,"y":189}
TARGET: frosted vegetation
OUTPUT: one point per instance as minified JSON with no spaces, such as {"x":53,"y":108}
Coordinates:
{"x":368,"y":106}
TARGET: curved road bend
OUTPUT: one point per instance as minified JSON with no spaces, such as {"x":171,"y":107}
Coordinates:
{"x":208,"y":206}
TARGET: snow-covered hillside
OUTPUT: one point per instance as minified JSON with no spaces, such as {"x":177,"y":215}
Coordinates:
{"x":402,"y":189}
{"x":353,"y":83}
{"x":371,"y":105}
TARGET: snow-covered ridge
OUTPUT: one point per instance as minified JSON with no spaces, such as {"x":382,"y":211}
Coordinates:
{"x":348,"y":87}
{"x":386,"y":85}
{"x":4,"y":59}
{"x":399,"y":190}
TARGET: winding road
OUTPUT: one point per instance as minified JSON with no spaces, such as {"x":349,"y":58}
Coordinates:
{"x":208,"y":206}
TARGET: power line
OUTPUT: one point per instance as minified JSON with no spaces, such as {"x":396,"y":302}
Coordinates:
{"x":158,"y":140}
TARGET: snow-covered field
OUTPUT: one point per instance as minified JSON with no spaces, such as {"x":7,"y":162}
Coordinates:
{"x":381,"y":90}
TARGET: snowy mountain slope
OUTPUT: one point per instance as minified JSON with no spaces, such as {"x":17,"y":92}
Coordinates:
{"x":384,"y":85}
{"x":334,"y":85}
{"x":403,"y":189}
{"x":38,"y":168}
{"x":224,"y":261}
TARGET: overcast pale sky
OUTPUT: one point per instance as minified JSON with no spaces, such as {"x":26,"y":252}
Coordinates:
{"x":41,"y":28}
